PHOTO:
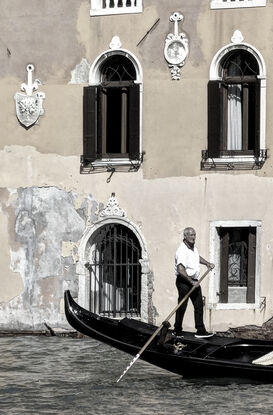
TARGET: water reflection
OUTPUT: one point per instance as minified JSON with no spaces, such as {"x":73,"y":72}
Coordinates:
{"x":53,"y":375}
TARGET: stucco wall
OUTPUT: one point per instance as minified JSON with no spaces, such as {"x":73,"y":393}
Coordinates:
{"x":46,"y":204}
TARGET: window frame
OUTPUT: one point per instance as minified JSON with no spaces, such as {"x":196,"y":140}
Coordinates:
{"x":117,"y":163}
{"x":103,"y":292}
{"x":84,"y":257}
{"x":97,"y":9}
{"x":234,"y":4}
{"x":214,"y":282}
{"x":239,"y":161}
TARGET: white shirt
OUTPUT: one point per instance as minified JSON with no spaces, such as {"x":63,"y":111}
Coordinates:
{"x":190,"y":260}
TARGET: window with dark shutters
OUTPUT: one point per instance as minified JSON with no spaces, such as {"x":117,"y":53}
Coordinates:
{"x":133,"y":121}
{"x":224,"y":245}
{"x":214,"y":118}
{"x":111,"y":116}
{"x":89,"y":124}
{"x":251,"y":265}
{"x":234,"y":105}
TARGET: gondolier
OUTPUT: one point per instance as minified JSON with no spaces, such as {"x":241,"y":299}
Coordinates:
{"x":187,"y":269}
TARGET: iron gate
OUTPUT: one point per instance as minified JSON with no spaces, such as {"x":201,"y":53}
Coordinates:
{"x":115,"y":272}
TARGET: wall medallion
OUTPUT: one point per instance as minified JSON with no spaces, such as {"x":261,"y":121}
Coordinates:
{"x":176,"y":47}
{"x":29,"y":105}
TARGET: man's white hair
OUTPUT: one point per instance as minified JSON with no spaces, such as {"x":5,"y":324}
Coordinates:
{"x":187,"y":230}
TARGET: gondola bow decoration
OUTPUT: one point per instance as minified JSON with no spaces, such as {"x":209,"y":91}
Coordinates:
{"x":29,"y":104}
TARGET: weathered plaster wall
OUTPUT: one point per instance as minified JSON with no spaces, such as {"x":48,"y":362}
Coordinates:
{"x":46,"y":204}
{"x":46,"y":222}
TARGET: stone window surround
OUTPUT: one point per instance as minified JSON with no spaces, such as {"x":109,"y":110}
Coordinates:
{"x":215,"y":258}
{"x":84,"y":253}
{"x":98,"y":9}
{"x":214,"y":75}
{"x":231,"y":4}
{"x":95,"y":79}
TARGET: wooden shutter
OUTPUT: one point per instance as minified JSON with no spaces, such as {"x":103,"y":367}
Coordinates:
{"x":89,"y":123}
{"x":251,"y":265}
{"x":224,"y":243}
{"x":257,"y":116}
{"x":215,"y":102}
{"x":133,"y":121}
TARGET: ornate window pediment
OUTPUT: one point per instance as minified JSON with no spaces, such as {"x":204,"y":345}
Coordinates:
{"x":230,"y":4}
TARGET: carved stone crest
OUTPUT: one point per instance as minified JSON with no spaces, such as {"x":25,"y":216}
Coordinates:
{"x":176,"y":47}
{"x":29,"y":105}
{"x":112,"y":208}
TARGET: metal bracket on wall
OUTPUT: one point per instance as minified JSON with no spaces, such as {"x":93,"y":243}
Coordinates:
{"x":112,"y":170}
{"x":149,"y":31}
{"x":262,"y":303}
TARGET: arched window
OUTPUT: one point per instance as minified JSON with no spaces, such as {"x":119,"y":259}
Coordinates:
{"x":112,"y":113}
{"x":236,"y":110}
{"x":115,"y":272}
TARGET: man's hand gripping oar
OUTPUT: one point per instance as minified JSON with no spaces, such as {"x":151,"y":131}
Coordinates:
{"x":160,"y":327}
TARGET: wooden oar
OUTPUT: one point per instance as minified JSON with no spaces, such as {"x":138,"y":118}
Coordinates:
{"x":160,"y":327}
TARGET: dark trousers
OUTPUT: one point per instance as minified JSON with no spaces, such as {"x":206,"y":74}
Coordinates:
{"x":183,"y":288}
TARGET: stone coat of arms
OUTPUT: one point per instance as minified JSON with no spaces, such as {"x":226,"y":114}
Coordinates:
{"x":29,"y":105}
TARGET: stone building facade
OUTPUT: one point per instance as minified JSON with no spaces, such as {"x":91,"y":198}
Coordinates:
{"x":123,"y":122}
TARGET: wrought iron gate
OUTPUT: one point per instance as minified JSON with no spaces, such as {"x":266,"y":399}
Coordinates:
{"x":115,"y":272}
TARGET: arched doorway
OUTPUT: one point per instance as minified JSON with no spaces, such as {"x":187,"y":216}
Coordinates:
{"x":113,"y":263}
{"x":115,"y":272}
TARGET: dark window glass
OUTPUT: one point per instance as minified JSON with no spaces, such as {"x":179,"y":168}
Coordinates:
{"x":117,"y":68}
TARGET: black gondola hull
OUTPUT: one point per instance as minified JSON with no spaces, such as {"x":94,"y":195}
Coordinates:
{"x":213,"y":357}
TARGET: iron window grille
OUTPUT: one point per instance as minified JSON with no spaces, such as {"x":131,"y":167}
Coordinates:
{"x":115,"y":272}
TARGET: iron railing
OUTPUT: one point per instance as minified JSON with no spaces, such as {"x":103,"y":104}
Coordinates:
{"x":233,"y":160}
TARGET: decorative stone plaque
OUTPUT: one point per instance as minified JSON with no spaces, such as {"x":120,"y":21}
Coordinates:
{"x":112,"y":208}
{"x":29,"y":105}
{"x":176,"y":47}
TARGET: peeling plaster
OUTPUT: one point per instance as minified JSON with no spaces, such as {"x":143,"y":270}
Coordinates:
{"x":47,"y":229}
{"x":80,"y":75}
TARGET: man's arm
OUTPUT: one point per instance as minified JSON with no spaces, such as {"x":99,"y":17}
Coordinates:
{"x":181,"y":270}
{"x":204,"y":262}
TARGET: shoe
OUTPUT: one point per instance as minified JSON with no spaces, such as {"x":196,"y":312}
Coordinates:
{"x":178,"y":334}
{"x":200,"y":334}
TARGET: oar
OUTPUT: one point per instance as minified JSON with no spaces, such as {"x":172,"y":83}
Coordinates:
{"x":160,"y":327}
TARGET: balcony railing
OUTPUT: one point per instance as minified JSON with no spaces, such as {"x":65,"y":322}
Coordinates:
{"x":227,"y":4}
{"x":104,"y":7}
{"x":231,"y":160}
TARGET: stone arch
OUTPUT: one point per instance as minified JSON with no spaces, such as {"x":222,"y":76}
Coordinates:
{"x":147,"y":311}
{"x":115,"y":49}
{"x":237,"y":43}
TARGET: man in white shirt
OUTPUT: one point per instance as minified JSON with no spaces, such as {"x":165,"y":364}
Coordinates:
{"x":187,"y":269}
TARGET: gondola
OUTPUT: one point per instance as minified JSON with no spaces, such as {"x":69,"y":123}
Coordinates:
{"x":217,"y":356}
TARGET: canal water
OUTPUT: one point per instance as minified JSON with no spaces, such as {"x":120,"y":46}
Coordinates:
{"x":61,"y":375}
